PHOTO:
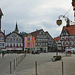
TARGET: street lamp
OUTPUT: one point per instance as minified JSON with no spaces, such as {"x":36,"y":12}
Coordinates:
{"x":56,"y":49}
{"x":59,"y":21}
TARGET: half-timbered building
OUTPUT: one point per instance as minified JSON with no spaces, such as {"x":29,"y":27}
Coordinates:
{"x":68,"y":37}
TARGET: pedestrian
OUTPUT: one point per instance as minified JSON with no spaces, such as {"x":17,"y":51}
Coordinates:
{"x":2,"y":53}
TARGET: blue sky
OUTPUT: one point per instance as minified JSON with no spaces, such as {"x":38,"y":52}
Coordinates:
{"x":34,"y":14}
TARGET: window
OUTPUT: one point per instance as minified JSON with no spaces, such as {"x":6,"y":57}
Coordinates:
{"x":66,"y":43}
{"x":14,"y":35}
{"x":3,"y":44}
{"x":42,"y":33}
{"x":19,"y":40}
{"x":10,"y":39}
{"x":64,"y":33}
{"x":0,"y":38}
{"x":7,"y":44}
{"x":21,"y":44}
{"x":14,"y":45}
{"x":38,"y":39}
{"x":16,"y":39}
{"x":0,"y":44}
{"x":7,"y":39}
{"x":0,"y":34}
{"x":10,"y":45}
{"x":36,"y":43}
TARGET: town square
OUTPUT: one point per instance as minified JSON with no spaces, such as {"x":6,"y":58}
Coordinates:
{"x":37,"y":37}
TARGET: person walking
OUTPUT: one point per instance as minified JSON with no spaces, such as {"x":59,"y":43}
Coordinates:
{"x":2,"y":53}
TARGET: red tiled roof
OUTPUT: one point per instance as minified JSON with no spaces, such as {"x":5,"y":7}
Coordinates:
{"x":56,"y":38}
{"x":35,"y":33}
{"x":70,"y":30}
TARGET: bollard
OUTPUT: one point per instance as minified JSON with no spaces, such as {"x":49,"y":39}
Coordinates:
{"x":62,"y":68}
{"x":16,"y":61}
{"x":10,"y":67}
{"x":19,"y":60}
{"x":14,"y":64}
{"x":35,"y":67}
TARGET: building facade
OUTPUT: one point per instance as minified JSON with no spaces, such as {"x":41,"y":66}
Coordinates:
{"x":14,"y":41}
{"x":2,"y":35}
{"x":2,"y":41}
{"x":58,"y":43}
{"x":68,"y":37}
{"x":41,"y":41}
{"x":37,"y":40}
{"x":51,"y":42}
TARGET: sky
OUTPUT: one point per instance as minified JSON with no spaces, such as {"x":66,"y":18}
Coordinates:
{"x":35,"y":14}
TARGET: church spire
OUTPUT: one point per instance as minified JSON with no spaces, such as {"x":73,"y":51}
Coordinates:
{"x":16,"y":28}
{"x":0,"y":17}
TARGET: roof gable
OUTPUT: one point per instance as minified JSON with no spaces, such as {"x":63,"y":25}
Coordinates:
{"x":64,"y":32}
{"x":47,"y":34}
{"x":70,"y":30}
{"x":56,"y":38}
{"x":41,"y":32}
{"x":35,"y":33}
{"x":15,"y":33}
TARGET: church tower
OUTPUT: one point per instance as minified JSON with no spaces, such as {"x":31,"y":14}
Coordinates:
{"x":16,"y":28}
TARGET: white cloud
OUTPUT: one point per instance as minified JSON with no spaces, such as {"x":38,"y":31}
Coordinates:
{"x":34,"y":14}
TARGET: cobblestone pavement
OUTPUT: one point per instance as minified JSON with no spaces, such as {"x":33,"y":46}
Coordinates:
{"x":51,"y":68}
{"x":5,"y":63}
{"x":44,"y":65}
{"x":29,"y":61}
{"x":69,"y":65}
